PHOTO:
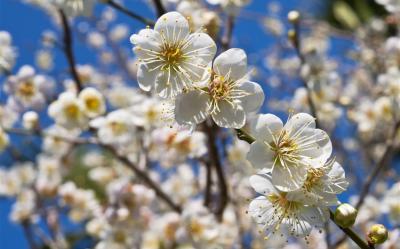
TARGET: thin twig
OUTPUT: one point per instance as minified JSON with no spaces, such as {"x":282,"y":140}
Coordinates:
{"x":227,"y":38}
{"x":210,"y":130}
{"x":297,"y":46}
{"x":360,"y":242}
{"x":140,"y":173}
{"x":207,"y":191}
{"x":383,"y":161}
{"x":29,"y":235}
{"x":130,"y":13}
{"x":143,"y":176}
{"x":159,"y":8}
{"x":69,"y":51}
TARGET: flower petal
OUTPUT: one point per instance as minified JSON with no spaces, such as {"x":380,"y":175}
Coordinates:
{"x":145,"y":77}
{"x":337,"y":178}
{"x":229,"y":116}
{"x":168,"y":84}
{"x":288,"y":178}
{"x":172,"y":26}
{"x":254,"y":96}
{"x":200,"y":45}
{"x":146,"y":41}
{"x":318,"y":147}
{"x":300,"y":122}
{"x":262,"y":184}
{"x":260,"y":156}
{"x":232,"y":64}
{"x":266,"y":127}
{"x":191,"y":107}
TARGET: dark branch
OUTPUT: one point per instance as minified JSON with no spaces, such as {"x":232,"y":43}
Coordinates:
{"x":159,"y":8}
{"x":130,"y":13}
{"x":68,"y":50}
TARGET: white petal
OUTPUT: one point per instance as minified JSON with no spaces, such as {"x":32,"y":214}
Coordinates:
{"x":262,"y":184}
{"x":229,"y":116}
{"x":172,"y":26}
{"x":260,"y":155}
{"x":202,"y":46}
{"x":300,"y":122}
{"x":258,"y":206}
{"x":337,"y":178}
{"x":266,"y":126}
{"x":254,"y":96}
{"x":288,"y":178}
{"x":320,"y":148}
{"x":191,"y":107}
{"x":232,"y":63}
{"x":168,"y":85}
{"x":146,"y":77}
{"x":145,"y":41}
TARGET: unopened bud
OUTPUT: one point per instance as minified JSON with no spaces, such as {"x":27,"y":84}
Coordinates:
{"x":377,"y":234}
{"x":292,"y":36}
{"x":345,"y":215}
{"x":30,"y":120}
{"x":294,"y":16}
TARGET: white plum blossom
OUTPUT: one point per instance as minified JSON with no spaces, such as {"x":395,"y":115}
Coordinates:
{"x":28,"y":89}
{"x":7,"y":52}
{"x":390,"y":5}
{"x":232,"y":7}
{"x":228,"y":96}
{"x":69,"y":111}
{"x":289,"y":151}
{"x":75,"y":7}
{"x":170,"y":57}
{"x":391,"y":203}
{"x":278,"y":211}
{"x":116,"y":128}
{"x":323,"y":184}
{"x":93,"y":102}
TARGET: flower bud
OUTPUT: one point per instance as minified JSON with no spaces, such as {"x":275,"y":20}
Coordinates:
{"x":292,"y":36}
{"x":30,"y":120}
{"x":377,"y":234}
{"x":294,"y":16}
{"x":345,"y":215}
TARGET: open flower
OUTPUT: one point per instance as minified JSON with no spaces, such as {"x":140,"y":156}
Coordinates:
{"x":170,"y":58}
{"x":276,"y":210}
{"x":93,"y":102}
{"x":323,"y":184}
{"x":117,"y":127}
{"x":289,"y":151}
{"x":75,"y":7}
{"x":228,"y":97}
{"x":68,"y":111}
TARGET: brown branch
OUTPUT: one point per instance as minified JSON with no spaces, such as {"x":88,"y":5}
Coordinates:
{"x":130,"y":13}
{"x":383,"y":161}
{"x":207,"y":191}
{"x":28,"y":234}
{"x":210,"y":130}
{"x":349,"y":232}
{"x":68,"y":50}
{"x":159,"y":8}
{"x":227,"y":38}
{"x":296,"y":41}
{"x":140,"y":173}
{"x":143,"y":176}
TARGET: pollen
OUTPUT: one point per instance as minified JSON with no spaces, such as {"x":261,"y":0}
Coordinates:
{"x":26,"y":89}
{"x":172,"y":55}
